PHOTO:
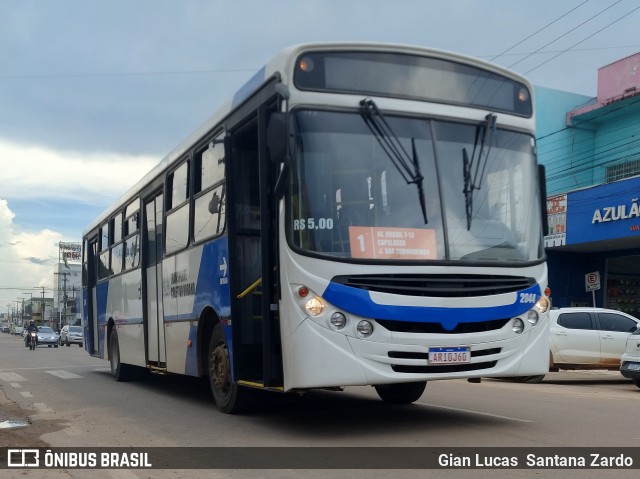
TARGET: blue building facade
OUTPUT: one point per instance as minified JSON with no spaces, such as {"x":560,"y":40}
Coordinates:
{"x":591,"y":150}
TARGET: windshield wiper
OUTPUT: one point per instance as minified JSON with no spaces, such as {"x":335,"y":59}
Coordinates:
{"x":484,"y":131}
{"x":407,"y":166}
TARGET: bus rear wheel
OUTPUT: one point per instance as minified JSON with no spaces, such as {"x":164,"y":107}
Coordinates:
{"x":120,"y":372}
{"x":403,"y":393}
{"x":228,"y":396}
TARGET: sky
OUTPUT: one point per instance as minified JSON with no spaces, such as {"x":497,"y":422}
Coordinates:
{"x":93,"y":93}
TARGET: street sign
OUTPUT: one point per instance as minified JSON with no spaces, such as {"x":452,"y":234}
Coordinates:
{"x":592,"y":281}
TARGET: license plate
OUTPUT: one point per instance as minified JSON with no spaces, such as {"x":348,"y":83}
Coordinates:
{"x":449,"y":355}
{"x":633,"y":366}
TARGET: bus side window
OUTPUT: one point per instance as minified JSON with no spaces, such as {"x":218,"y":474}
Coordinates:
{"x":209,"y":209}
{"x":177,"y":222}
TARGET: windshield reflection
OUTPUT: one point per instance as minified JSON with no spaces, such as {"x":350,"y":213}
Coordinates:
{"x":347,"y":200}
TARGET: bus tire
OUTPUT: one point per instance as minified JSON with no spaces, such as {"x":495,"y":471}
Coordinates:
{"x":120,"y":372}
{"x":533,"y":379}
{"x":403,"y":393}
{"x":228,"y":396}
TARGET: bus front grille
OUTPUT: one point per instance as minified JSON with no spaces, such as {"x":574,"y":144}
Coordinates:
{"x":437,"y":285}
{"x":440,"y":368}
{"x":437,"y":328}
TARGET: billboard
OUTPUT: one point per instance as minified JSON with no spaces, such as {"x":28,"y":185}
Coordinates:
{"x":70,"y":253}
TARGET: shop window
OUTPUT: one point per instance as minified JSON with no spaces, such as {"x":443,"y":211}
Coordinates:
{"x":622,"y":170}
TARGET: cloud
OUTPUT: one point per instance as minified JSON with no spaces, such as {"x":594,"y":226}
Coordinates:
{"x":26,"y":258}
{"x":34,"y":172}
{"x":28,"y":252}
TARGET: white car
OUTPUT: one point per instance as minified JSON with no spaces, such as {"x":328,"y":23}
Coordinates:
{"x":587,"y":338}
{"x":630,"y":360}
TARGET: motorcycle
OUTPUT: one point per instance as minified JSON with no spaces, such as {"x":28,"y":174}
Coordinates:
{"x":32,"y":339}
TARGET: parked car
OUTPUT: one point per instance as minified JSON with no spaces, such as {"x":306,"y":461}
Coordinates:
{"x":587,"y":338}
{"x":71,"y":335}
{"x":47,"y":336}
{"x":5,"y":328}
{"x":630,"y":360}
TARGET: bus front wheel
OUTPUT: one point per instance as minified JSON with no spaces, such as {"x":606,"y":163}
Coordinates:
{"x":228,"y":396}
{"x":403,"y":393}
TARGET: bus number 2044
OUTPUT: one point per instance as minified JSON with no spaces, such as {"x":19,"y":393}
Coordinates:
{"x":313,"y":224}
{"x":528,"y":298}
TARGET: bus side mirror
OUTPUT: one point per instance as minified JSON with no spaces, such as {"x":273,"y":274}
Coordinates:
{"x":277,"y":137}
{"x":214,"y":204}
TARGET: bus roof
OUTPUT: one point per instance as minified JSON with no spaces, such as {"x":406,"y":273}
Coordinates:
{"x":281,"y":64}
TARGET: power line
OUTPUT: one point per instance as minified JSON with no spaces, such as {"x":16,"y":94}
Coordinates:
{"x":538,"y":31}
{"x":575,"y":50}
{"x":565,"y":34}
{"x":583,"y":40}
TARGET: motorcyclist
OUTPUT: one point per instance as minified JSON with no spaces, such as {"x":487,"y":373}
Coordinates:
{"x":31,"y":328}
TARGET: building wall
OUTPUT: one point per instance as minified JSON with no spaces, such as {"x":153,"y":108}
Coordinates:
{"x":591,"y":150}
{"x":567,"y":153}
{"x":71,"y":275}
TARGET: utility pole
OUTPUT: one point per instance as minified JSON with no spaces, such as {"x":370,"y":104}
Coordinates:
{"x":64,"y":297}
{"x":30,"y":303}
{"x":41,"y":305}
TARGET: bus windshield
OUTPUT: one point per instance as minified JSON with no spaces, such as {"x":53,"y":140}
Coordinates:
{"x":348,"y":199}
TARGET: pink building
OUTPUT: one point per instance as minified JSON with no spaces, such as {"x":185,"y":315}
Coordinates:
{"x":616,"y":81}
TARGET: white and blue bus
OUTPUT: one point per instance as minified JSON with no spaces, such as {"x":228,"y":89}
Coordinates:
{"x":358,"y":214}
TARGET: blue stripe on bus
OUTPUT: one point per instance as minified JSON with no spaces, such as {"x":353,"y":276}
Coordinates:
{"x":358,"y":301}
{"x":248,"y":88}
{"x":212,"y":285}
{"x":212,"y":289}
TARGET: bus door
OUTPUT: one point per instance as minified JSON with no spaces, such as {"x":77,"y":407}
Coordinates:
{"x":152,"y":286}
{"x":91,"y":249}
{"x":251,"y":213}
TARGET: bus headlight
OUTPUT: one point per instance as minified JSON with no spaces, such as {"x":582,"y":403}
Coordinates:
{"x":532,"y":317}
{"x":364,"y":329}
{"x":315,"y":306}
{"x":338,"y":320}
{"x":543,"y":305}
{"x":517,"y":325}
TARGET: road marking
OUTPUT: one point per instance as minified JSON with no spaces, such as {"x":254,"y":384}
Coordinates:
{"x":479,"y":413}
{"x":16,"y":385}
{"x":26,"y":394}
{"x":103,"y":370}
{"x":44,"y":367}
{"x":11,"y":377}
{"x":63,"y":374}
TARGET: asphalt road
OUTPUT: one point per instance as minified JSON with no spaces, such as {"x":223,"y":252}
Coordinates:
{"x":70,"y":400}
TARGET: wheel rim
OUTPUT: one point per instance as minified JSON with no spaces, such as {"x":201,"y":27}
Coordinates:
{"x":220,"y":369}
{"x":115,"y":357}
